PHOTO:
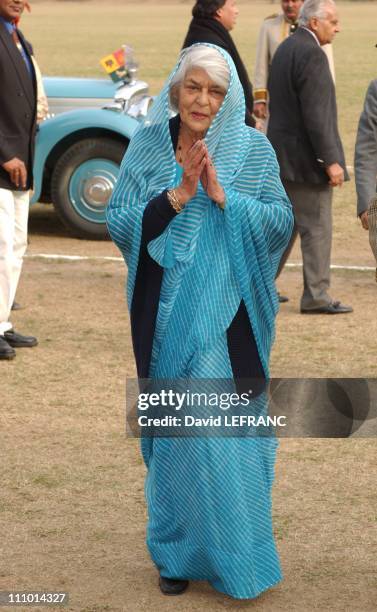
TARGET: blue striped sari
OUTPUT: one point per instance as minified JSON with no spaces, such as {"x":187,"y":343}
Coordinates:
{"x":209,"y":499}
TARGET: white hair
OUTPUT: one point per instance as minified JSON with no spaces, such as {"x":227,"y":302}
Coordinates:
{"x":314,"y":8}
{"x":200,"y":56}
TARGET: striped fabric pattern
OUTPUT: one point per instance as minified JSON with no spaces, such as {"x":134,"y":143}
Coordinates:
{"x":209,"y":499}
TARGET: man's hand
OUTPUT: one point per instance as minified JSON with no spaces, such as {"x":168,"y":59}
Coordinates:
{"x":335,"y":173}
{"x":17,"y":171}
{"x":364,"y":219}
{"x":260,"y":110}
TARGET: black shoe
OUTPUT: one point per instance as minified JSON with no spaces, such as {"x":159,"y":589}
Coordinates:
{"x":282,"y":298}
{"x":6,"y":351}
{"x":16,"y":306}
{"x":332,"y":308}
{"x":18,"y":341}
{"x":169,"y":586}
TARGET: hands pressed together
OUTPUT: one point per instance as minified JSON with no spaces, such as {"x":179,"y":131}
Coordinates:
{"x":198,"y":166}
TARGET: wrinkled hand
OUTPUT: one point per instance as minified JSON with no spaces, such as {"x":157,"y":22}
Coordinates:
{"x":17,"y":171}
{"x":364,"y":220}
{"x":210,"y":183}
{"x":192,"y":169}
{"x":335,"y":173}
{"x":260,"y":110}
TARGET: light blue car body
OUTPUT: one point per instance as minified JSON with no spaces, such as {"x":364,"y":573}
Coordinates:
{"x":75,"y":87}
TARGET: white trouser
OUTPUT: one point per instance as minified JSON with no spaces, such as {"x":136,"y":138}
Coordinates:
{"x":14,"y":211}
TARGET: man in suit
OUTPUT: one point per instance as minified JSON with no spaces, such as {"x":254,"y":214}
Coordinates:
{"x":274,"y":30}
{"x":18,"y":106}
{"x":303,"y":130}
{"x":366,"y":166}
{"x":212,"y":21}
{"x":366,"y":154}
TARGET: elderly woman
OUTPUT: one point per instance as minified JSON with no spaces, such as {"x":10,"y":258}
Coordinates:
{"x":201,"y":218}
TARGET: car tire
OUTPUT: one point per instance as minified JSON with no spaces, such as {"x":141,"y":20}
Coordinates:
{"x":82,"y":182}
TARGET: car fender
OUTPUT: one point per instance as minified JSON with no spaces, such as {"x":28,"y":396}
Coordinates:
{"x":54,"y":130}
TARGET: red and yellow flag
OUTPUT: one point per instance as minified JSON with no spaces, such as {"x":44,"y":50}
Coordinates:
{"x":114,"y":65}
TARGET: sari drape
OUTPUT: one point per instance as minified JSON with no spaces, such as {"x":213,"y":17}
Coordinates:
{"x":209,"y":499}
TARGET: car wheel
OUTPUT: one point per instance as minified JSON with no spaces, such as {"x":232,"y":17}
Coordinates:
{"x":82,"y":182}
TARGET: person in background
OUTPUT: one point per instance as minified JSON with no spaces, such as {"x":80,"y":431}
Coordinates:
{"x":201,"y":218}
{"x":42,"y":102}
{"x":303,"y":129}
{"x":366,"y":154}
{"x":274,"y":30}
{"x":18,"y":119}
{"x":366,"y":166}
{"x":212,"y":22}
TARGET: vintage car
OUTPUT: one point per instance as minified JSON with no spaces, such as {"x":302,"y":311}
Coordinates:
{"x":80,"y":147}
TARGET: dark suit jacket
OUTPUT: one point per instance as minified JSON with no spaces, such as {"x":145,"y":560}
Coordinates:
{"x":303,"y":115}
{"x":208,"y":30}
{"x":18,"y":108}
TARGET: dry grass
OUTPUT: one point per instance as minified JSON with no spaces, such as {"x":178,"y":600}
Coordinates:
{"x":71,"y":503}
{"x":72,"y":509}
{"x":69,"y":39}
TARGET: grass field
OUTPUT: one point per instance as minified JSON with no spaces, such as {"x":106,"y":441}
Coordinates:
{"x":72,"y":513}
{"x":70,"y":38}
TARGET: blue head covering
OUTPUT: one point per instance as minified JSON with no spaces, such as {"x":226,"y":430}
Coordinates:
{"x":212,"y":258}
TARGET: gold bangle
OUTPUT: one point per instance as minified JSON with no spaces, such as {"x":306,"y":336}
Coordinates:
{"x":174,"y":201}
